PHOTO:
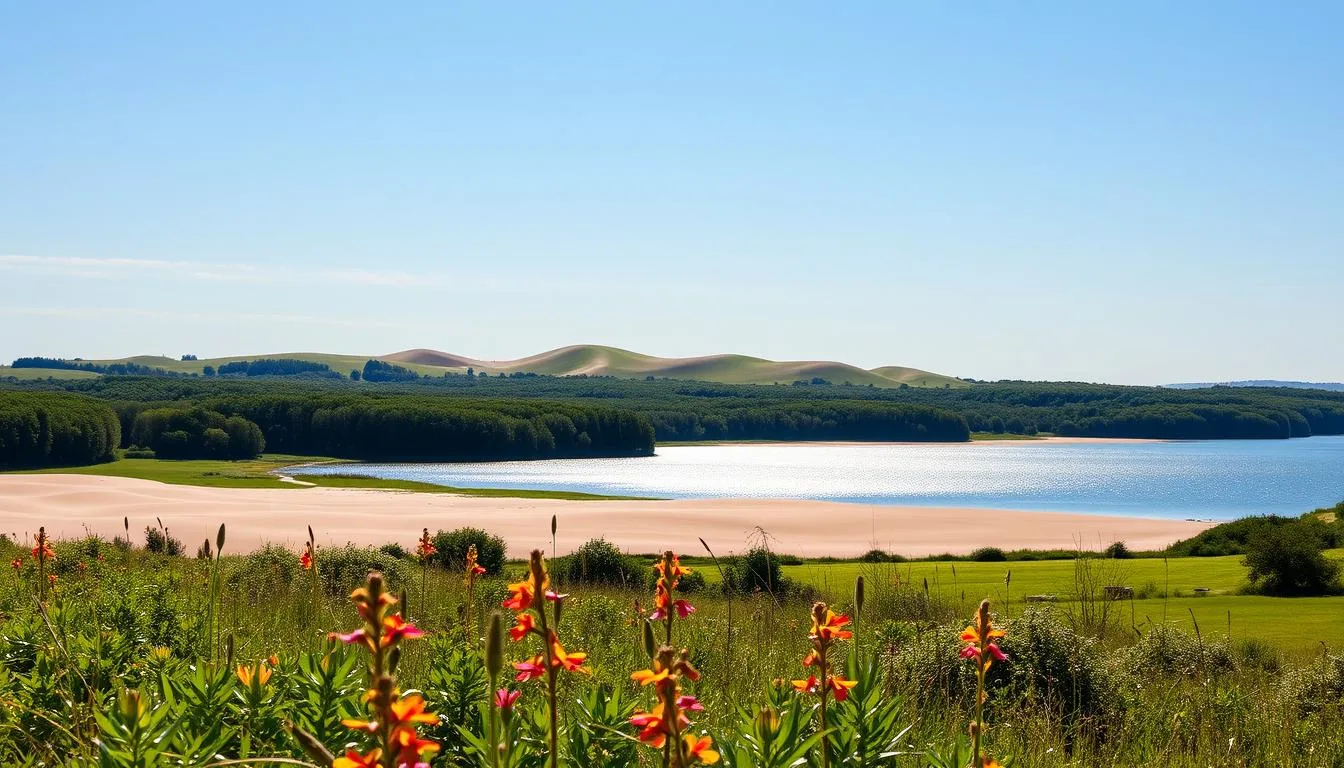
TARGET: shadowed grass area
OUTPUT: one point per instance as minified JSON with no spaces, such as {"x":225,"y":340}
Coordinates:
{"x":359,"y":481}
{"x":263,"y":472}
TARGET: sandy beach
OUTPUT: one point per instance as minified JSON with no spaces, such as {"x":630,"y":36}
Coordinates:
{"x":68,"y":505}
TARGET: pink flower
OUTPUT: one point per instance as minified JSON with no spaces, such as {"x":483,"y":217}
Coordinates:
{"x":689,"y":704}
{"x":504,"y":698}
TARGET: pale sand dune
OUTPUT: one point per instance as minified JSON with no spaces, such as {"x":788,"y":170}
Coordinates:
{"x":68,"y":504}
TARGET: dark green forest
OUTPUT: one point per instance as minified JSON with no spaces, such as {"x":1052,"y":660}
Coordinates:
{"x":40,"y":429}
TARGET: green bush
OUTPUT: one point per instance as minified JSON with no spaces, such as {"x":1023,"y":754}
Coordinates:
{"x":1311,"y":688}
{"x":452,"y":549}
{"x":1169,"y":651}
{"x":759,"y":569}
{"x":1052,"y":665}
{"x":1118,"y":551}
{"x":343,"y":568}
{"x":1288,"y":560}
{"x":599,"y":561}
{"x":136,"y":452}
{"x":989,"y":555}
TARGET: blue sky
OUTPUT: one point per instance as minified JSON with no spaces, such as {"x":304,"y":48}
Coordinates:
{"x":1141,"y":193}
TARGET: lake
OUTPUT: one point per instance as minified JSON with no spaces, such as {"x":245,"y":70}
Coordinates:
{"x":1219,"y":479}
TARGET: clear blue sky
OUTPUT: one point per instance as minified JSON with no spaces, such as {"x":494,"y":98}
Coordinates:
{"x":1143,"y":192}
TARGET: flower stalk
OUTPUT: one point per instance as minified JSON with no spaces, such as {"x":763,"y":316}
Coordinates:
{"x":981,"y":649}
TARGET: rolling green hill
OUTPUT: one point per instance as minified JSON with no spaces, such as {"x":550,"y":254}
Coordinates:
{"x":584,"y":359}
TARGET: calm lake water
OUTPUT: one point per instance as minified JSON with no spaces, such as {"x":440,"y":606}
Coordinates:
{"x":1210,"y":479}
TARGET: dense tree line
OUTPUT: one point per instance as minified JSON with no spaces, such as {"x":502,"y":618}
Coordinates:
{"x":688,"y":410}
{"x":377,"y":370}
{"x":196,"y":433}
{"x":41,"y":429}
{"x":114,"y":369}
{"x":303,"y":417}
{"x":274,"y":367}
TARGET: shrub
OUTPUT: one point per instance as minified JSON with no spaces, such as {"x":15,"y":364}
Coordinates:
{"x":989,"y":555}
{"x":271,"y":565}
{"x":160,"y":542}
{"x":136,"y":452}
{"x":599,"y":561}
{"x":1118,"y":551}
{"x":1311,"y":688}
{"x":1055,"y":666}
{"x":342,"y":568}
{"x":759,"y":569}
{"x":1169,"y":651}
{"x":1288,"y":560}
{"x":394,"y":549}
{"x":875,"y":556}
{"x":452,"y":549}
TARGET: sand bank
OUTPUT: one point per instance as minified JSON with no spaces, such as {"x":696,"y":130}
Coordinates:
{"x":988,"y":441}
{"x":70,"y":504}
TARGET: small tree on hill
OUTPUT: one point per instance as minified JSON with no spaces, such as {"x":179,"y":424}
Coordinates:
{"x":1288,"y":560}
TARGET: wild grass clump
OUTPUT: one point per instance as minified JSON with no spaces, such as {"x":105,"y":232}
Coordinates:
{"x":1167,"y":651}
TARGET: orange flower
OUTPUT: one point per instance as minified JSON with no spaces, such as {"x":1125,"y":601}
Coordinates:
{"x":42,"y":549}
{"x":306,"y":559}
{"x":409,"y":710}
{"x":649,"y":676}
{"x":570,"y":661}
{"x":16,"y":563}
{"x":425,"y":549}
{"x":829,"y":627}
{"x":353,"y":759}
{"x":256,"y":672}
{"x":51,"y":579}
{"x":526,"y":623}
{"x":677,"y":569}
{"x":699,"y":749}
{"x":520,"y":596}
{"x":395,"y":629}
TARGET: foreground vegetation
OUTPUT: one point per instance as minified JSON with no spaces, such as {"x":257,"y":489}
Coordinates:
{"x":109,"y":659}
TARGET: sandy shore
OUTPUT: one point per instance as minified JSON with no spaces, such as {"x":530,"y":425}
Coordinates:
{"x":70,"y":504}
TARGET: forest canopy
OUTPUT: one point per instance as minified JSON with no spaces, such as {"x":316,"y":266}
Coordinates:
{"x":41,"y":429}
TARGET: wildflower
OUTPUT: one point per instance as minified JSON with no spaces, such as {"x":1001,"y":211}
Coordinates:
{"x":353,"y":759}
{"x":699,"y":749}
{"x":524,"y":625}
{"x":42,"y":548}
{"x":425,"y":549}
{"x":395,"y":629}
{"x":392,"y":718}
{"x":667,"y":723}
{"x":531,"y":669}
{"x":980,"y":647}
{"x":256,"y":672}
{"x":474,"y":568}
{"x":670,"y":570}
{"x":306,"y":559}
{"x":17,"y":563}
{"x":529,"y":598}
{"x":51,"y":579}
{"x":505,"y":699}
{"x":827,"y":629}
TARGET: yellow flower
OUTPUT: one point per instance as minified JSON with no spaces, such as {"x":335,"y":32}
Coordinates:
{"x":256,"y":672}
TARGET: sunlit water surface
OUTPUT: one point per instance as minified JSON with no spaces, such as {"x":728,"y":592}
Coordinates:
{"x":1212,"y":479}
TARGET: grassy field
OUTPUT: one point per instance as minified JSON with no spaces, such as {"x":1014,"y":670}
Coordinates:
{"x":262,"y":473}
{"x":1297,"y":626}
{"x":26,"y":374}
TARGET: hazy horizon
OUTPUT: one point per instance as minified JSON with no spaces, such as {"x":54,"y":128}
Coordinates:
{"x":1141,"y":195}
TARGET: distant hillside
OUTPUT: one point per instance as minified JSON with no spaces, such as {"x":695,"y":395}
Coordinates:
{"x":586,"y":359}
{"x":1333,"y":386}
{"x":596,"y":360}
